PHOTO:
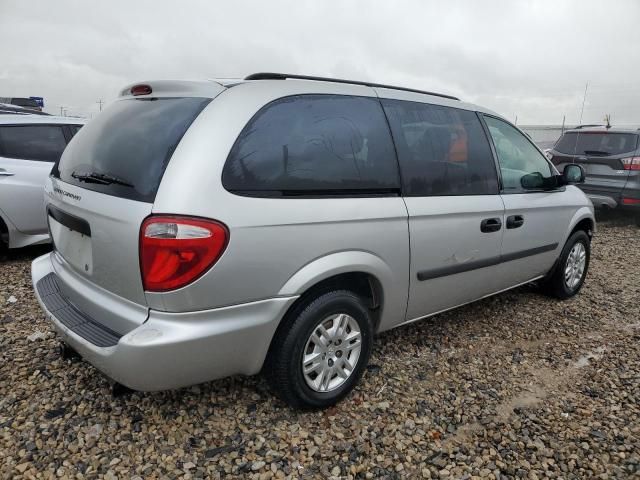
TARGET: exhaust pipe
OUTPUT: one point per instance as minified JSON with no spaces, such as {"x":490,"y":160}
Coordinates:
{"x":68,"y":353}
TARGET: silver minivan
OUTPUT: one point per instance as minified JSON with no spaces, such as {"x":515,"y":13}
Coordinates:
{"x":276,"y":224}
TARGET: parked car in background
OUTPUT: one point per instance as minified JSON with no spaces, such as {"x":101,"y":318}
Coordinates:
{"x":29,"y":147}
{"x":276,"y":224}
{"x":611,"y":159}
{"x":7,"y":108}
{"x":25,"y":102}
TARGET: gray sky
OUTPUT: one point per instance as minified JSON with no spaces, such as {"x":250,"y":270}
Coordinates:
{"x":524,"y":58}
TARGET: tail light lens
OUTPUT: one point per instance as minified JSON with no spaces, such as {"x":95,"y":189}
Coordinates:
{"x":175,"y":251}
{"x":631,"y":163}
{"x":631,"y":201}
{"x":140,"y":90}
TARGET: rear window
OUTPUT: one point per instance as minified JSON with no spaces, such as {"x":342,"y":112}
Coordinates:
{"x":44,"y":143}
{"x":597,"y":143}
{"x":131,"y":141}
{"x":314,"y":145}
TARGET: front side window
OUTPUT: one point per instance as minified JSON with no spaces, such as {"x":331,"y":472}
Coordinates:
{"x":43,"y":143}
{"x":442,"y":150}
{"x":522,"y":166}
{"x":314,"y":144}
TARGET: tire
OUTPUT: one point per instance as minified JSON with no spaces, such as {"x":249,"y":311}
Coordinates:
{"x":300,"y":336}
{"x":556,"y":283}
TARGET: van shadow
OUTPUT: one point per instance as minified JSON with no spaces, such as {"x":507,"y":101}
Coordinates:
{"x":429,"y":336}
{"x":617,"y":218}
{"x":23,"y":254}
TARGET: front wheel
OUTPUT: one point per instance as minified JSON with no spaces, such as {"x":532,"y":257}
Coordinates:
{"x":320,"y":353}
{"x":569,"y":274}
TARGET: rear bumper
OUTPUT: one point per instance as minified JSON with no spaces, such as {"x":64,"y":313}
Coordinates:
{"x":623,"y":201}
{"x":602,"y":201}
{"x":170,"y":350}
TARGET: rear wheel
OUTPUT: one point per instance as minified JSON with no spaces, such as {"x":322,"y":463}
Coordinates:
{"x":567,"y":277}
{"x":320,"y":354}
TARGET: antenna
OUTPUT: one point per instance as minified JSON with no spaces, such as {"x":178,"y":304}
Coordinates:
{"x":575,"y":147}
{"x":584,"y":98}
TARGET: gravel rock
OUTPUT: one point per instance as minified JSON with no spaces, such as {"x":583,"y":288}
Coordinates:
{"x":514,"y":386}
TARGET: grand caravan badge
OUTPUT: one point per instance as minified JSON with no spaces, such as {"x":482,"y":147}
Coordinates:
{"x":64,"y":193}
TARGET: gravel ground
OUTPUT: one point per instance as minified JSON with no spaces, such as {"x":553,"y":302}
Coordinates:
{"x":515,"y":386}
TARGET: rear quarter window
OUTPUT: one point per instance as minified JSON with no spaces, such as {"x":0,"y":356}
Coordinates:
{"x":314,"y":144}
{"x":133,"y":141}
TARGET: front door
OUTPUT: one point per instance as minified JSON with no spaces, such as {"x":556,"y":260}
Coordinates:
{"x":455,"y":213}
{"x":536,"y":214}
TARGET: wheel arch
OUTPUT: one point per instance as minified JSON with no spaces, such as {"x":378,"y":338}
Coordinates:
{"x":583,"y":219}
{"x":362,"y":272}
{"x":5,"y":233}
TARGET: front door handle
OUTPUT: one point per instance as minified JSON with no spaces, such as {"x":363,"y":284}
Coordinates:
{"x":515,"y":221}
{"x":490,"y":225}
{"x":4,"y":173}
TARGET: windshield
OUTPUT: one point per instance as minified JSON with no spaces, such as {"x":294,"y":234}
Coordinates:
{"x":597,"y":143}
{"x":132,"y":142}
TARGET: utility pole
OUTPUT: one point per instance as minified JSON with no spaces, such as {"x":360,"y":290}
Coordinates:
{"x":100,"y":102}
{"x":61,"y":107}
{"x":516,"y":122}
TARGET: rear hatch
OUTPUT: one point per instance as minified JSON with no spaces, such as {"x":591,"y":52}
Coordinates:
{"x":601,"y":153}
{"x":102,"y":190}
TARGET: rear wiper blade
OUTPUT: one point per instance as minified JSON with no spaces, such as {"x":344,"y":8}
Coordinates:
{"x":101,"y":178}
{"x":596,"y":152}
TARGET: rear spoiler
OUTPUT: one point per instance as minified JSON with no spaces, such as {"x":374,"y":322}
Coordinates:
{"x":173,"y":88}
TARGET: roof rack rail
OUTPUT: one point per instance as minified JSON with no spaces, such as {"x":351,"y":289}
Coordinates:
{"x":578,"y":127}
{"x":284,"y":76}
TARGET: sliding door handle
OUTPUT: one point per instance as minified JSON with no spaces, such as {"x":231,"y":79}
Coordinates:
{"x":490,"y":225}
{"x":515,"y":221}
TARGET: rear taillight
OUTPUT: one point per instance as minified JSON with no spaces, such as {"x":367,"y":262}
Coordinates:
{"x":175,"y":251}
{"x":630,"y":201}
{"x":631,"y":163}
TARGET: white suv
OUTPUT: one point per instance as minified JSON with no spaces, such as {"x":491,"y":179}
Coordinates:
{"x":29,"y":147}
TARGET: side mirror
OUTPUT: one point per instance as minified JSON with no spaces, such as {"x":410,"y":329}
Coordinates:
{"x":573,"y":173}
